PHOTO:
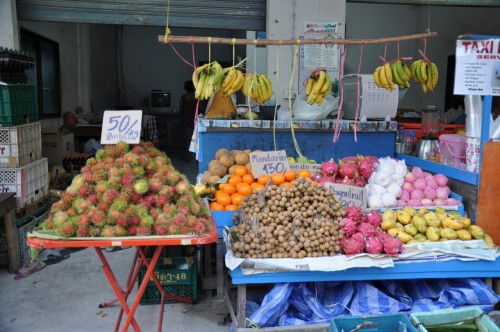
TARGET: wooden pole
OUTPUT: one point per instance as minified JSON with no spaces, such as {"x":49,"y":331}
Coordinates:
{"x":265,"y":42}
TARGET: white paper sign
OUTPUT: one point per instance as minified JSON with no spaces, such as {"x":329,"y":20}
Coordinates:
{"x":121,"y":126}
{"x":269,"y":162}
{"x":348,"y":195}
{"x":477,"y":69}
{"x":313,"y":168}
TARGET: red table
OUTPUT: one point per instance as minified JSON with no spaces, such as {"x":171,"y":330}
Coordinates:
{"x":141,"y":245}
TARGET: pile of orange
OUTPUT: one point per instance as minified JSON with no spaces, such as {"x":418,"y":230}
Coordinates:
{"x":241,"y":184}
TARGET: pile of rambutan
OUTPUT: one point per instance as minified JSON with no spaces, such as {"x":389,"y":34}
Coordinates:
{"x":128,"y":190}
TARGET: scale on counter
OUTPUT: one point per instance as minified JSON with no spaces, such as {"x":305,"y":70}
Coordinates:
{"x":375,"y":103}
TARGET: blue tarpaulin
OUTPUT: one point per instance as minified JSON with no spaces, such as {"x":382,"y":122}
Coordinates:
{"x":312,"y":303}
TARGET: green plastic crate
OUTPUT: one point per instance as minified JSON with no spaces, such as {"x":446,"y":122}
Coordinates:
{"x":449,"y":316}
{"x":18,"y":104}
{"x":380,"y":323}
{"x":178,"y":277}
{"x":173,"y":251}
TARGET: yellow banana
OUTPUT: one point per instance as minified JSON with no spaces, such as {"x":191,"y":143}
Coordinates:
{"x":423,"y":71}
{"x":388,"y":75}
{"x":229,"y":79}
{"x":320,"y":99}
{"x":435,"y":74}
{"x":406,"y":70}
{"x":429,"y":79}
{"x":383,"y":78}
{"x":236,"y":85}
{"x":200,"y":86}
{"x":320,"y":81}
{"x":326,"y":86}
{"x":376,"y":77}
{"x":424,"y":87}
{"x":309,"y":86}
{"x":246,"y":85}
{"x":269,"y":86}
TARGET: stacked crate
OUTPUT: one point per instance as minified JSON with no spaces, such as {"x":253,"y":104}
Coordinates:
{"x":23,"y":171}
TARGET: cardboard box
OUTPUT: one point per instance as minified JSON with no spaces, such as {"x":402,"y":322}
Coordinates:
{"x":57,"y":143}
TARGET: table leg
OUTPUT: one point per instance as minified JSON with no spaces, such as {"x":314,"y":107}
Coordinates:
{"x":242,"y":299}
{"x":132,"y":276}
{"x":118,"y":291}
{"x":219,"y":265}
{"x":149,"y":273}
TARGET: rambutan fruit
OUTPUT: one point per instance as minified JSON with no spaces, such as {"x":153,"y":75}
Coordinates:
{"x":199,"y":229}
{"x":103,"y":206}
{"x":95,"y":231}
{"x":155,"y":213}
{"x":132,"y":230}
{"x":204,"y":211}
{"x":120,"y":163}
{"x":138,"y":150}
{"x":113,"y":216}
{"x":128,"y":212}
{"x":183,"y":211}
{"x":83,"y":231}
{"x":100,"y":176}
{"x":48,"y":224}
{"x":161,"y":230}
{"x":173,"y":229}
{"x":135,"y":198}
{"x":127,"y":180}
{"x":101,"y":187}
{"x":60,"y":218}
{"x":143,"y":231}
{"x":186,"y":229}
{"x":141,"y":186}
{"x":134,"y":221}
{"x":67,"y":198}
{"x":127,"y":170}
{"x":149,"y":175}
{"x":155,"y":185}
{"x":100,"y":154}
{"x":120,"y":230}
{"x":119,"y":204}
{"x":86,"y":169}
{"x":122,"y":221}
{"x":114,"y":183}
{"x":191,"y":221}
{"x":109,"y":196}
{"x":66,"y":230}
{"x":122,"y":147}
{"x":151,"y":167}
{"x":141,"y":210}
{"x":182,"y":187}
{"x":146,"y":221}
{"x":83,"y":206}
{"x":161,"y":162}
{"x":98,"y":218}
{"x":179,"y":219}
{"x":83,"y":220}
{"x":88,"y":177}
{"x":162,"y":200}
{"x":169,"y":209}
{"x":149,"y":145}
{"x":142,"y":161}
{"x":71,"y":212}
{"x":91,"y":162}
{"x":130,"y":158}
{"x":92,"y":198}
{"x":78,"y":181}
{"x":162,"y":219}
{"x":172,"y":178}
{"x":108,"y":231}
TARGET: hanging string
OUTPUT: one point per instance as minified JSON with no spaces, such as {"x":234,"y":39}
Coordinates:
{"x":428,"y":17}
{"x":276,"y":96}
{"x":398,"y":51}
{"x":198,"y":100}
{"x":209,"y":49}
{"x":180,"y":56}
{"x":167,"y":29}
{"x":425,"y":46}
{"x":359,"y":94}
{"x":385,"y":51}
{"x":336,"y":134}
{"x":234,"y":49}
{"x":290,"y":87}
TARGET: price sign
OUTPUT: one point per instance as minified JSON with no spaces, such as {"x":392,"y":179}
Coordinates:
{"x":313,"y":168}
{"x":269,"y":162}
{"x":121,"y":126}
{"x":348,"y":195}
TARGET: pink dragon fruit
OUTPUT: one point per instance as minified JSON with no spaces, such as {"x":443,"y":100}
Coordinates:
{"x":359,"y":181}
{"x":358,"y":236}
{"x":354,"y":213}
{"x":349,"y":170}
{"x":353,"y":246}
{"x":329,"y":168}
{"x":392,"y":245}
{"x":366,"y":168}
{"x":366,"y":229}
{"x":350,"y":226}
{"x":373,"y":218}
{"x":346,"y":181}
{"x":373,"y":245}
{"x":325,"y":180}
{"x":318,"y":176}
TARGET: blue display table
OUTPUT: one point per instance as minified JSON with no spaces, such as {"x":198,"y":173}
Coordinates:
{"x":431,"y":270}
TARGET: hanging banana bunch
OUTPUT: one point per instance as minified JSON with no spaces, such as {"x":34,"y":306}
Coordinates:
{"x":258,"y":87}
{"x":425,"y":73}
{"x":207,"y":80}
{"x":383,"y":77}
{"x":401,"y":74}
{"x":318,"y":87}
{"x":233,"y":82}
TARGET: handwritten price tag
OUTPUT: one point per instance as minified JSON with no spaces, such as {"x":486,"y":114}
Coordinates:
{"x":348,"y":195}
{"x":313,"y":168}
{"x":121,"y":126}
{"x":268,"y":162}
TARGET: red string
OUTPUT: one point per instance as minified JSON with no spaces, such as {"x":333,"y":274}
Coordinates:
{"x":359,"y":93}
{"x":385,"y":50}
{"x":398,"y":49}
{"x":185,"y":61}
{"x":336,"y":134}
{"x":425,"y":45}
{"x":194,"y":68}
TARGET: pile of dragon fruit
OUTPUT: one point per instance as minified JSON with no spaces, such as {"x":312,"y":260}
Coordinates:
{"x":352,"y":171}
{"x":362,"y":233}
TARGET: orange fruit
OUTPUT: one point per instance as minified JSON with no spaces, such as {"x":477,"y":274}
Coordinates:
{"x":257,"y":186}
{"x":217,"y":193}
{"x":236,"y":199}
{"x":304,"y":173}
{"x":216,"y":206}
{"x":230,"y":207}
{"x":244,"y":189}
{"x":290,"y":175}
{"x":240,"y":170}
{"x":223,"y":199}
{"x":264,"y":179}
{"x":234,"y":179}
{"x":286,"y":184}
{"x":227,"y":188}
{"x":278,"y":178}
{"x":247,"y":178}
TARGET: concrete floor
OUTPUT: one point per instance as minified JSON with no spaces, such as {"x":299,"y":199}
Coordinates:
{"x":65,"y":296}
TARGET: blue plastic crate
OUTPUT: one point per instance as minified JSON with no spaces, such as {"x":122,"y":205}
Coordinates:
{"x":221,"y":219}
{"x":450,"y":316}
{"x":380,"y":323}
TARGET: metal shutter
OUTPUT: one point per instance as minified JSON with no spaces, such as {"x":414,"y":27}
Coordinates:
{"x":216,"y":14}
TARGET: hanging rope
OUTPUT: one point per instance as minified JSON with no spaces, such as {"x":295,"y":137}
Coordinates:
{"x":290,"y":92}
{"x":276,"y":96}
{"x":359,"y":95}
{"x":343,"y":53}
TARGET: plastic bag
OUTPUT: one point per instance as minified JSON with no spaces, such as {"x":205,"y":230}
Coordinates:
{"x":92,"y":146}
{"x":303,"y":111}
